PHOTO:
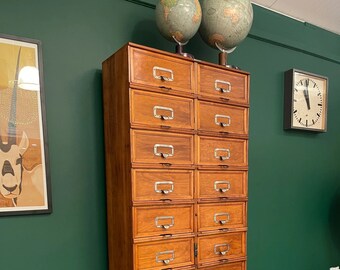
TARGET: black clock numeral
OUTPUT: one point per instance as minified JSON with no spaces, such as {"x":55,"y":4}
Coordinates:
{"x":313,"y":121}
{"x":319,"y":104}
{"x":306,"y":123}
{"x":318,"y":114}
{"x":295,"y":111}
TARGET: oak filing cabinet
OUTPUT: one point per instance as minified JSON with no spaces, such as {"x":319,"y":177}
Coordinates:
{"x":176,"y":140}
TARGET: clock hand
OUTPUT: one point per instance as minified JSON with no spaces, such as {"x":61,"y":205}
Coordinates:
{"x":306,"y":94}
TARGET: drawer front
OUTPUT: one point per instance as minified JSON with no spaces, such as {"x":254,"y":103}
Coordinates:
{"x":161,"y":71}
{"x":218,"y":248}
{"x":222,"y":118}
{"x":162,"y":185}
{"x":228,"y":152}
{"x":214,"y":184}
{"x":221,"y":216}
{"x":228,"y":266}
{"x":152,"y":109}
{"x":162,"y":147}
{"x":223,"y":84}
{"x":164,"y":254}
{"x":164,"y":220}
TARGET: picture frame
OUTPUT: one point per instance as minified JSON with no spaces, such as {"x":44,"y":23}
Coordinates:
{"x":25,"y":186}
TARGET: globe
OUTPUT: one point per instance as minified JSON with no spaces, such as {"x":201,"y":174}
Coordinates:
{"x":178,"y":20}
{"x":225,"y":23}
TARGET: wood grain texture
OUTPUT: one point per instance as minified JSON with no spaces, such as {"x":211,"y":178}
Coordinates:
{"x":232,"y":119}
{"x":159,"y":110}
{"x":160,"y":220}
{"x":216,"y":185}
{"x":212,"y":248}
{"x":182,"y":254}
{"x":144,"y":143}
{"x":235,"y":84}
{"x":228,"y":266}
{"x":232,"y":152}
{"x":169,"y":199}
{"x":175,"y":184}
{"x":221,"y":216}
{"x":118,"y":160}
{"x":161,"y":71}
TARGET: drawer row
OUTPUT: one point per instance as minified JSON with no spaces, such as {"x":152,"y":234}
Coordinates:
{"x":168,"y":74}
{"x":214,"y":249}
{"x":152,"y":186}
{"x":152,"y":110}
{"x":172,"y":221}
{"x":159,"y":149}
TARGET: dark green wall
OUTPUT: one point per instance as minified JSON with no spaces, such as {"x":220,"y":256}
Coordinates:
{"x":294,"y":181}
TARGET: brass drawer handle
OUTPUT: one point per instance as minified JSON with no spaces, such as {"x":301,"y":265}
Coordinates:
{"x":165,"y":226}
{"x":161,"y":154}
{"x":218,"y":121}
{"x":219,"y":86}
{"x":161,"y":116}
{"x":169,"y":78}
{"x":222,"y":189}
{"x":165,"y":261}
{"x":223,"y":157}
{"x":222,"y":221}
{"x":163,"y":183}
{"x":221,"y":249}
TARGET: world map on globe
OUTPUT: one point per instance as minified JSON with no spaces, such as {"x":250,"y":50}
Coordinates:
{"x":178,"y":20}
{"x":225,"y":23}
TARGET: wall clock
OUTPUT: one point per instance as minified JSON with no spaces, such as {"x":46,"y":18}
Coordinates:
{"x":305,"y":101}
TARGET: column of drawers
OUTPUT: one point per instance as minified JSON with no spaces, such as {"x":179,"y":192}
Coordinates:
{"x":222,"y":166}
{"x":176,"y":162}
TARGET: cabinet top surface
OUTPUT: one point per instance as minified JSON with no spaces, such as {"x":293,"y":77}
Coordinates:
{"x":142,"y":47}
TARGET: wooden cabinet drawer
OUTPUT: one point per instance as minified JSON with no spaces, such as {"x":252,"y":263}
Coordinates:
{"x":218,"y":248}
{"x":162,"y":111}
{"x":228,"y":266}
{"x":217,"y":216}
{"x":213,"y":117}
{"x":217,"y":83}
{"x":164,"y":254}
{"x":226,"y":152}
{"x":162,"y":185}
{"x":161,"y":71}
{"x":163,"y":220}
{"x":215,"y":184}
{"x":161,"y":147}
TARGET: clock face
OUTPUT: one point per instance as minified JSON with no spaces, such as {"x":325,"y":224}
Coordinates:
{"x":308,"y":101}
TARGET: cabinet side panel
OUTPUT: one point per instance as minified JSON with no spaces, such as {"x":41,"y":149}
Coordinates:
{"x":117,"y":154}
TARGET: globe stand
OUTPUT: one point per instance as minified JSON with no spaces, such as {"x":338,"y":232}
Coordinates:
{"x":180,"y":47}
{"x":223,"y":56}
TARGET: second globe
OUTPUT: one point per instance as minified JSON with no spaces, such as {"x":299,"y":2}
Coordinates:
{"x":225,"y":23}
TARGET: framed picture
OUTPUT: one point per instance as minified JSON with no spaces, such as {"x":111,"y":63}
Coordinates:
{"x":24,"y":171}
